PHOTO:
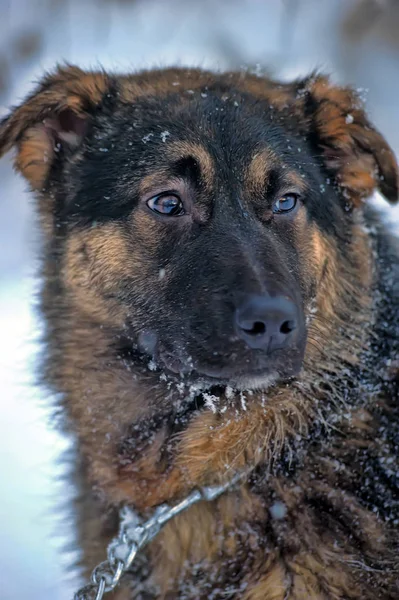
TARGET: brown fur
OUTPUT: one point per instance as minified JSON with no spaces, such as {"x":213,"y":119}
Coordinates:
{"x":232,"y":544}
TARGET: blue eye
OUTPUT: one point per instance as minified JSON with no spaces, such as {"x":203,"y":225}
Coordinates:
{"x":285,"y":204}
{"x":166,"y":204}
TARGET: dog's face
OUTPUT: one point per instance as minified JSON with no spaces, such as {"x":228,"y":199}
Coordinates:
{"x":201,"y":231}
{"x":194,"y":210}
{"x":218,"y":207}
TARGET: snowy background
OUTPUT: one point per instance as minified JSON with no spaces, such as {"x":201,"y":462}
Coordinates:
{"x":356,"y":41}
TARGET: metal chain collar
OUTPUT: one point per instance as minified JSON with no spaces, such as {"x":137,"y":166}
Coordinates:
{"x":134,"y":534}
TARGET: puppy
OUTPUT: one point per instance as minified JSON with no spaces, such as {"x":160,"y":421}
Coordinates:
{"x":220,"y":299}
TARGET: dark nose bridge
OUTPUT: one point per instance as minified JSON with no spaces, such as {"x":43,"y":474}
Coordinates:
{"x":250,"y":270}
{"x":248,"y":259}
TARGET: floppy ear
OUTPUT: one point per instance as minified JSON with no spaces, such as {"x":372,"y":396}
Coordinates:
{"x":52,"y":119}
{"x":353,"y":151}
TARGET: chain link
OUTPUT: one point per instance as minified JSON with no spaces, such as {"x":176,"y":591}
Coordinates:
{"x":134,"y":534}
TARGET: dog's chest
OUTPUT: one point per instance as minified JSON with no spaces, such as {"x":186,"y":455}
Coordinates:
{"x":329,"y":530}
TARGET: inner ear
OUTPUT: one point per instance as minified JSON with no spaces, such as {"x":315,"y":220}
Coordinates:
{"x":53,"y":120}
{"x":67,"y":127}
{"x":40,"y":144}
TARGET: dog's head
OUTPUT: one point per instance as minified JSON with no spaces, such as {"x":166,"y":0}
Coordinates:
{"x":197,"y":205}
{"x":197,"y":220}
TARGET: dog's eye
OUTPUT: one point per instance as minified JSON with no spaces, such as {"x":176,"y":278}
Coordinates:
{"x":285,"y":204}
{"x":166,"y":204}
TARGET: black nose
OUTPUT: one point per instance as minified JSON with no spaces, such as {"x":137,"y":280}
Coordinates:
{"x":266,"y":323}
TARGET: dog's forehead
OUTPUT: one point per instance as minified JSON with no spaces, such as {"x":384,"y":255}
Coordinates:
{"x":222,"y":117}
{"x":224,"y":139}
{"x":221,"y":128}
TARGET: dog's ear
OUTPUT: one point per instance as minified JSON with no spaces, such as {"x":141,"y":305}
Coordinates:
{"x":53,"y":118}
{"x":353,"y":151}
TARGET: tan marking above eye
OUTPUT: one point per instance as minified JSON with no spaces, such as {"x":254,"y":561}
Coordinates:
{"x":258,"y":171}
{"x":158,"y":181}
{"x":293,"y":180}
{"x":179,"y":150}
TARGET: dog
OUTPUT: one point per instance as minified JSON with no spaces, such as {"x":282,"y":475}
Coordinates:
{"x":220,"y":298}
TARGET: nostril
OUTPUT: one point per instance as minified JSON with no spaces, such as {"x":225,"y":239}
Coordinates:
{"x":258,"y":328}
{"x":266,"y":322}
{"x":287,"y":327}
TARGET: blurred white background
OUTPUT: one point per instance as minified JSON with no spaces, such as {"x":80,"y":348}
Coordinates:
{"x":356,"y":40}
